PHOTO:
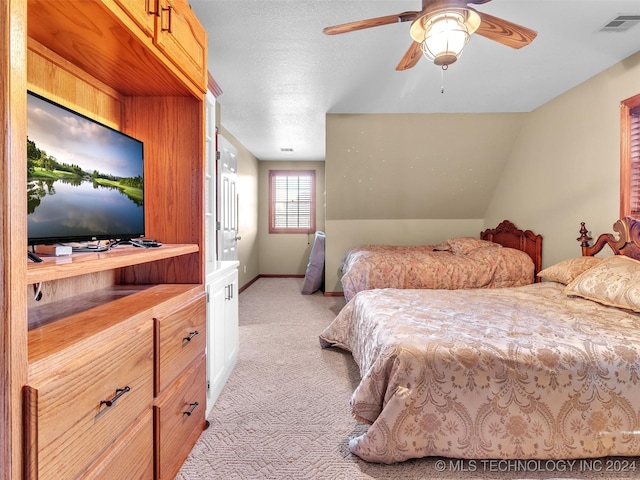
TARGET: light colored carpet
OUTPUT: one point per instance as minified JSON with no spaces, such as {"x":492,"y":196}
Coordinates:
{"x":284,"y":413}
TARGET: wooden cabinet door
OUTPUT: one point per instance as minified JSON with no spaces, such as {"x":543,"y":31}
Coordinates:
{"x":181,"y":338}
{"x":142,"y":12}
{"x":182,"y":38}
{"x":130,"y":457}
{"x":76,"y":405}
{"x":179,"y":419}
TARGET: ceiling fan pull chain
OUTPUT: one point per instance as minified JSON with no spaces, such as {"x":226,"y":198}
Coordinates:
{"x":444,"y":67}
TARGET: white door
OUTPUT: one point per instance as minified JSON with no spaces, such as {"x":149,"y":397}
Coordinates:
{"x":228,"y":234}
{"x":210,"y":188}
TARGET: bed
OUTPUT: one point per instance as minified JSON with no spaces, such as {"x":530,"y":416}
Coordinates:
{"x":549,"y":370}
{"x":456,"y":263}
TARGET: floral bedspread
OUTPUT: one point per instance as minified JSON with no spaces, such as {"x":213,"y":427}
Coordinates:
{"x":420,"y":266}
{"x":514,"y":373}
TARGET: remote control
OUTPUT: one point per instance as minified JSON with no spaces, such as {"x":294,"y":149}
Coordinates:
{"x":145,"y":243}
{"x":33,"y":257}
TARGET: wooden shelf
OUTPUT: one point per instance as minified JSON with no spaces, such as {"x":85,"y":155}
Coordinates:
{"x":55,"y":268}
{"x":69,"y":324}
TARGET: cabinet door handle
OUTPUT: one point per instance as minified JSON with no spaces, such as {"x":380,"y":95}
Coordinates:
{"x":119,"y":393}
{"x":190,"y":411}
{"x":169,"y":11}
{"x":151,"y":4}
{"x":191,"y":335}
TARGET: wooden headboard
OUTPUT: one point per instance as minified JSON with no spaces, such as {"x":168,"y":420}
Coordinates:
{"x":627,"y":243}
{"x":507,"y":235}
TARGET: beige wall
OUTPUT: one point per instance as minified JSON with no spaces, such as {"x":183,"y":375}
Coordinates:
{"x":413,"y":166}
{"x":248,"y":245}
{"x":286,"y":254}
{"x":565,"y":166}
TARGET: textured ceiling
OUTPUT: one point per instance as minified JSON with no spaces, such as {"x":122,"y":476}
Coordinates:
{"x":280,"y":74}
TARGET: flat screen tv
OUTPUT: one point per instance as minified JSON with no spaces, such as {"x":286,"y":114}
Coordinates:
{"x":84,"y":179}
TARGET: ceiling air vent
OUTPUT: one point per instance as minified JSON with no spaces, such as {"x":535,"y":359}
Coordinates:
{"x":621,"y":23}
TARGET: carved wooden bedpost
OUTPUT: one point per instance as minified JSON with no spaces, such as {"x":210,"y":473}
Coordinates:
{"x":584,"y":237}
{"x":628,"y":242}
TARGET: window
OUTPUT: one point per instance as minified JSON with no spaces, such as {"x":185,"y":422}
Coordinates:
{"x":630,"y":157}
{"x":292,"y":201}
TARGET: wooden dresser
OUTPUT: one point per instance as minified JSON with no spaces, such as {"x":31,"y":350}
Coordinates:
{"x":105,"y":375}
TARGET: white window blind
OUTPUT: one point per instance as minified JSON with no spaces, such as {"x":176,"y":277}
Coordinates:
{"x":292,"y":201}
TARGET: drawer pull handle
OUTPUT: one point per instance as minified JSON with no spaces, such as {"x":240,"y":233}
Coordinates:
{"x":119,"y":393}
{"x":190,"y":411}
{"x":191,"y":335}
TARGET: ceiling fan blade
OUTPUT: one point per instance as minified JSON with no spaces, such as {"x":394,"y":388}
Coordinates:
{"x":371,"y":22}
{"x":411,"y":57}
{"x":505,"y":32}
{"x":478,"y":2}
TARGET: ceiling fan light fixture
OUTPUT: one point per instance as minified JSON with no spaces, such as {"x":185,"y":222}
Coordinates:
{"x":443,"y":34}
{"x":445,"y":37}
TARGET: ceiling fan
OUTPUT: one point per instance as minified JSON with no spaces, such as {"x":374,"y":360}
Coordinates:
{"x":442,"y":28}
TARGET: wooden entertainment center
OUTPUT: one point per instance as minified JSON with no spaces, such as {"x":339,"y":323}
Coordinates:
{"x":104,"y":377}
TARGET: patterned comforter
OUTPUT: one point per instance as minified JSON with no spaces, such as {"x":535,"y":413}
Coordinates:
{"x":514,"y":373}
{"x":420,"y":266}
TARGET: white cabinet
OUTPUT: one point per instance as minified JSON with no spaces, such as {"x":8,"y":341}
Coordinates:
{"x":222,"y":328}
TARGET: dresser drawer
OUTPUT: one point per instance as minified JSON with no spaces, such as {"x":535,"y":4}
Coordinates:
{"x":130,"y":457}
{"x":178,"y":420}
{"x":76,"y":406}
{"x":180,"y":339}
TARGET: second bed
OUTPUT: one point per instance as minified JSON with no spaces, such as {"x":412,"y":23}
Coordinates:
{"x":502,"y":257}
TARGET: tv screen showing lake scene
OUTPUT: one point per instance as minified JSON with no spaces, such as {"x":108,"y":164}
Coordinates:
{"x":84,"y":179}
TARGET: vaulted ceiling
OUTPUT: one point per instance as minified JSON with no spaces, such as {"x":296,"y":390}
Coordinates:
{"x":280,"y":75}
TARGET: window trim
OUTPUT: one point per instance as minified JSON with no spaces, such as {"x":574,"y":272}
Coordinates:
{"x":627,"y":108}
{"x":312,"y":203}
